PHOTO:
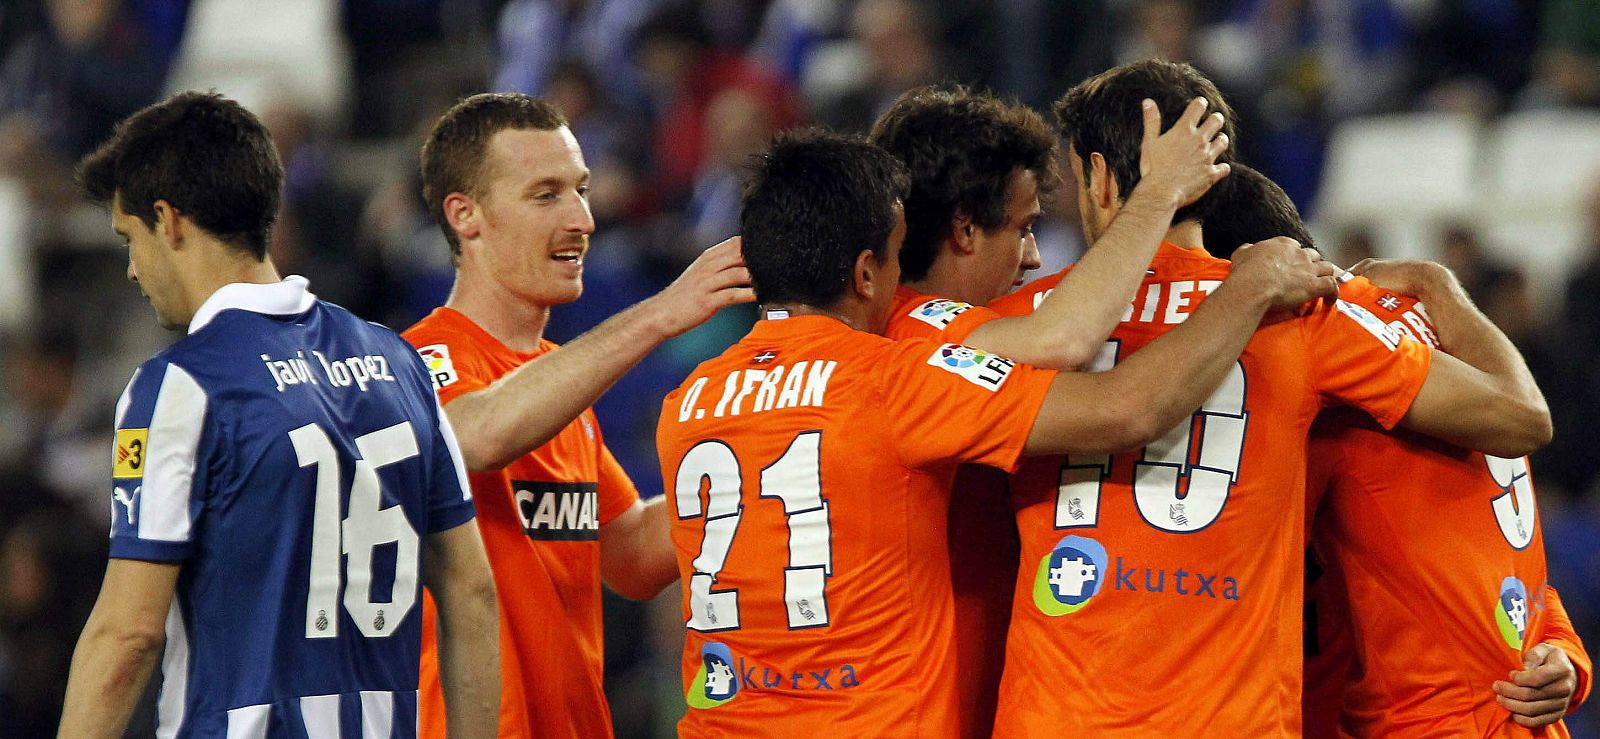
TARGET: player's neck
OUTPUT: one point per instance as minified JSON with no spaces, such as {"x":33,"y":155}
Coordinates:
{"x":855,"y":319}
{"x":1186,"y":234}
{"x":510,"y":319}
{"x":944,"y":280}
{"x":217,"y":266}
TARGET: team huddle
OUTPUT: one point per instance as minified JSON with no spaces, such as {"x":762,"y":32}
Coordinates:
{"x":1202,"y":483}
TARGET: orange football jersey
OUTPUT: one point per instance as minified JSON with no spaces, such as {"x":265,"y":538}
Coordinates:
{"x":540,"y":517}
{"x":1440,"y":556}
{"x":810,"y":469}
{"x":981,"y":532}
{"x":1160,"y":591}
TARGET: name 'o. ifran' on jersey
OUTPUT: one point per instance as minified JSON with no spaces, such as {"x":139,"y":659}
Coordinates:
{"x":746,"y":391}
{"x":359,"y":371}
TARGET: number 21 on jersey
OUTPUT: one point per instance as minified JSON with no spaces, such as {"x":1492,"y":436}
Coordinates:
{"x":794,"y":479}
{"x":1209,"y":463}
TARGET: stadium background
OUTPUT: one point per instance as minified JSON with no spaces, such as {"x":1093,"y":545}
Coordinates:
{"x":1462,"y":130}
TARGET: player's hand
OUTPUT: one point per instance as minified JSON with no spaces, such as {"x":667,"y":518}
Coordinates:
{"x":1282,"y":272}
{"x":716,"y":280}
{"x":1539,"y":693}
{"x":1414,"y":277}
{"x":1181,"y":163}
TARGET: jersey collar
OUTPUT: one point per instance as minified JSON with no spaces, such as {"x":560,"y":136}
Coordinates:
{"x":285,"y":298}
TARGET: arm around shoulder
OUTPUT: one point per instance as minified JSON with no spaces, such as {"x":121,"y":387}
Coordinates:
{"x":636,"y":556}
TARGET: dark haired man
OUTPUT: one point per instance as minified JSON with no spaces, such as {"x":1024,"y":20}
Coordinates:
{"x":1387,"y":594}
{"x":1254,"y":208}
{"x":1188,"y":553}
{"x":505,"y":178}
{"x":284,"y":481}
{"x":809,"y":465}
{"x":979,"y":167}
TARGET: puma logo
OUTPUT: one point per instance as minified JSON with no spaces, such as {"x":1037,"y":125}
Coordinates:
{"x":126,"y":499}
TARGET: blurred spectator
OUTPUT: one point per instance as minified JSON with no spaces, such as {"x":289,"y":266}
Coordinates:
{"x":536,"y":35}
{"x":686,"y":73}
{"x":316,"y":230}
{"x":69,"y":70}
{"x":1163,"y":29}
{"x":892,"y":51}
{"x":411,"y":58}
{"x":1567,"y":66}
{"x":63,"y":420}
{"x":1482,"y":276}
{"x":49,"y":566}
{"x":1355,"y":245}
{"x":1032,"y":49}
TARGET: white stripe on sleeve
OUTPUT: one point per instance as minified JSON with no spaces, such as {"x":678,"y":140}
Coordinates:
{"x":449,"y":434}
{"x":172,"y":448}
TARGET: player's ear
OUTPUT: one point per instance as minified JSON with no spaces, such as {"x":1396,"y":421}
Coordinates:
{"x":169,"y":223}
{"x":867,"y":276}
{"x":463,"y":214}
{"x":963,"y":234}
{"x":1103,"y":190}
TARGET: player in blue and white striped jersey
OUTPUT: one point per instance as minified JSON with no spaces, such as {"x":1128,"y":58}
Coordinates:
{"x":285,"y":480}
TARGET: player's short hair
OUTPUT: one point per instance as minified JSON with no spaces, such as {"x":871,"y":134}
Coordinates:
{"x":1102,"y":114}
{"x":960,"y":148}
{"x":453,"y":156}
{"x":815,"y":201}
{"x":204,"y":154}
{"x":1252,"y":208}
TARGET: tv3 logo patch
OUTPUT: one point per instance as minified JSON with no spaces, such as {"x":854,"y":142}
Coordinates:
{"x":558,"y":511}
{"x":132,"y":450}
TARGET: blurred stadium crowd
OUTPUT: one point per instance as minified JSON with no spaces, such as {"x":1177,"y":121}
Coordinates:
{"x":668,"y":98}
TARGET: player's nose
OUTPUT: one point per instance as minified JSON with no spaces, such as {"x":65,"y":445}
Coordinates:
{"x":1030,"y":253}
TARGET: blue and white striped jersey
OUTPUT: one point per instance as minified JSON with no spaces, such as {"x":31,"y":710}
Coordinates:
{"x":291,"y":457}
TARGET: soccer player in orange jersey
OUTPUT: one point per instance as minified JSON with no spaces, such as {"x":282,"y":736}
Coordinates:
{"x":809,"y":465}
{"x":1430,"y":571}
{"x":1160,"y":591}
{"x":505,"y":179}
{"x":978,"y":168}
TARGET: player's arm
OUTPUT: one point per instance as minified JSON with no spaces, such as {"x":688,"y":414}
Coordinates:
{"x":119,"y":647}
{"x":1478,"y":393}
{"x":1068,"y":328}
{"x":636,"y":557}
{"x":456,"y":571}
{"x":1555,"y":675}
{"x":1159,"y":385}
{"x":530,"y":405}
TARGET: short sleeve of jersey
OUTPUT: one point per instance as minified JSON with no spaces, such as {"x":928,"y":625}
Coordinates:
{"x":159,"y":467}
{"x":938,"y":318}
{"x":617,"y":491}
{"x":1356,"y":359}
{"x":449,"y":495}
{"x":452,"y":364}
{"x":952,"y":403}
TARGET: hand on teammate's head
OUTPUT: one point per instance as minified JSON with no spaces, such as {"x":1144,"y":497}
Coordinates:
{"x":715,"y":280}
{"x":1539,"y":693}
{"x":1182,"y":163}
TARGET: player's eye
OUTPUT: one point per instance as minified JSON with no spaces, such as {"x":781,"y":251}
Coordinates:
{"x":583,"y":191}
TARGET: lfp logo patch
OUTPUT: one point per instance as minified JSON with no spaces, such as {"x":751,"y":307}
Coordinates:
{"x":715,"y":683}
{"x":939,"y":312}
{"x":988,"y":371}
{"x":1069,"y":576}
{"x":1511,"y":613}
{"x":440,"y":369}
